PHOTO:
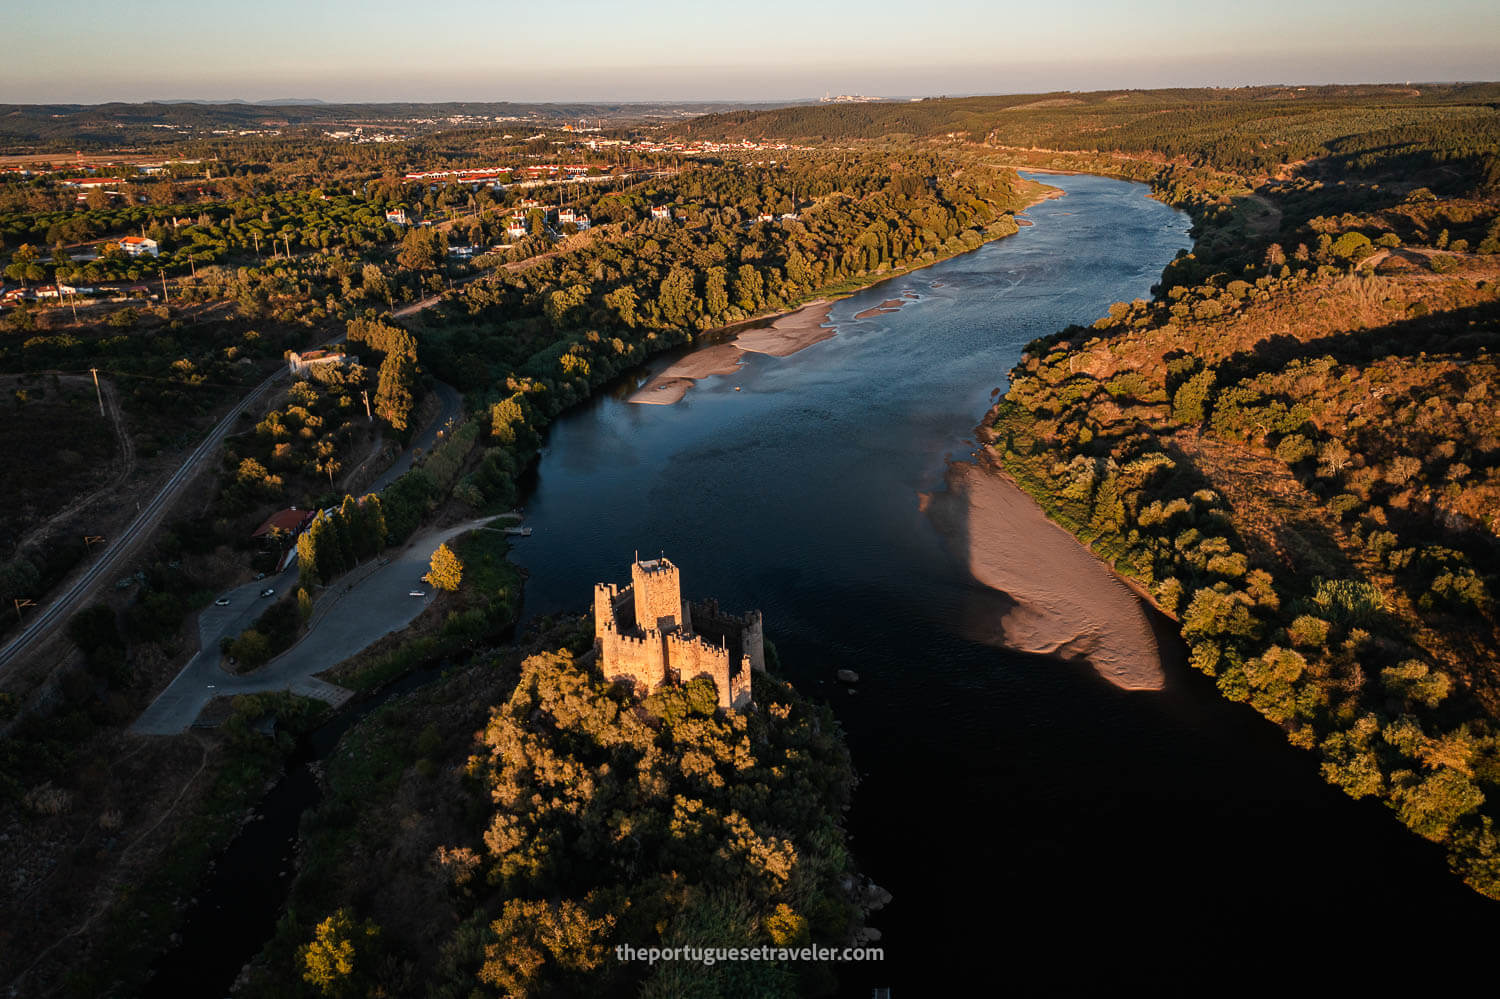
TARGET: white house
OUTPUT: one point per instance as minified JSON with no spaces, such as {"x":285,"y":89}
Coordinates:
{"x":397,"y":216}
{"x":302,"y":364}
{"x":662,"y":214}
{"x":135,"y":246}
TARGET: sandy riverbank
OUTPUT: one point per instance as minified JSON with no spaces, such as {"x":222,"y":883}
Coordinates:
{"x":783,"y":337}
{"x":1066,"y":602}
{"x":672,"y":384}
{"x":792,"y":332}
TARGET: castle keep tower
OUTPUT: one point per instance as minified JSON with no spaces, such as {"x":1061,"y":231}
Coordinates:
{"x":658,"y":595}
{"x":644,"y":636}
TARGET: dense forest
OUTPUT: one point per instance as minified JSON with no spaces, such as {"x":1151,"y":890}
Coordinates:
{"x":512,"y":863}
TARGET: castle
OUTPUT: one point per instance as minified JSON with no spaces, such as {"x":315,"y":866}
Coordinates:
{"x":646,"y":635}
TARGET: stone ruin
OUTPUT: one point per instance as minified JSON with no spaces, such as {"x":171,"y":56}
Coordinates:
{"x":647,"y":636}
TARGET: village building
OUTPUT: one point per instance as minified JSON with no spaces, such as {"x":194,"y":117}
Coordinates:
{"x":280,"y":531}
{"x":647,"y":637}
{"x":91,"y":182}
{"x":397,"y":216}
{"x":136,"y":246}
{"x":301,"y":365}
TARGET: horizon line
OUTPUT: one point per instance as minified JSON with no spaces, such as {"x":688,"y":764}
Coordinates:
{"x":316,"y":101}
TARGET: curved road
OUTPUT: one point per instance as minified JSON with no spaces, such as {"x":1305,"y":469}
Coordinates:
{"x":344,"y":622}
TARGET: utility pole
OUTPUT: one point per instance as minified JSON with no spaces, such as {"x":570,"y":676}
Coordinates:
{"x":22,"y":602}
{"x":96,"y":390}
{"x":90,"y":540}
{"x":164,"y":296}
{"x":366,"y":394}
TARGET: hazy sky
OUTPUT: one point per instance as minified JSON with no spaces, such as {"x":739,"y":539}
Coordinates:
{"x":365,"y":50}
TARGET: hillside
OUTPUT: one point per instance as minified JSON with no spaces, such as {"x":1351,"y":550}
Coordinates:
{"x":1295,"y":449}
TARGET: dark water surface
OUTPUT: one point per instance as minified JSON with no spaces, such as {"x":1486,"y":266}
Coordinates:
{"x":1030,"y":820}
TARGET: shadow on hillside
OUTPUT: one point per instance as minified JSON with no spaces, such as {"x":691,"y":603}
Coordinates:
{"x":1458,"y":331}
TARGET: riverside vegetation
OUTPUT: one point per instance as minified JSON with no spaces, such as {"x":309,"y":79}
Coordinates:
{"x":1294,"y":447}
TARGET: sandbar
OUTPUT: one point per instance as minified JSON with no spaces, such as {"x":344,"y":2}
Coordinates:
{"x":890,"y":305}
{"x":1066,"y":603}
{"x":719,"y":359}
{"x":661,"y":391}
{"x":792,"y":332}
{"x":672,"y":384}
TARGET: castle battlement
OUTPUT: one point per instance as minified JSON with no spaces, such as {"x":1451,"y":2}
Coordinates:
{"x":645,"y":636}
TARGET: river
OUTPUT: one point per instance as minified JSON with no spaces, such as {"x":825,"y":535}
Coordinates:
{"x":1016,"y":806}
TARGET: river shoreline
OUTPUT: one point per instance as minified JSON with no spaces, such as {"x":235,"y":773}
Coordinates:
{"x":782,"y":334}
{"x":1067,"y":604}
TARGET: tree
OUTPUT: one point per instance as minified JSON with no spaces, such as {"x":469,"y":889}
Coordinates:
{"x":393,"y":393}
{"x":422,"y":249}
{"x":252,"y":648}
{"x":24,"y":266}
{"x":340,"y":952}
{"x":1189,"y":404}
{"x":1333,"y":458}
{"x":445,"y":572}
{"x":374,"y":284}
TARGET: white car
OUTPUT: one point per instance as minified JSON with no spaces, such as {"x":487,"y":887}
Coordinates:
{"x":269,"y":591}
{"x":416,"y":593}
{"x":222,"y":602}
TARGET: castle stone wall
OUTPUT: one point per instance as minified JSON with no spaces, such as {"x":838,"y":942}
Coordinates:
{"x":691,"y":657}
{"x":742,"y":635}
{"x":644,"y":635}
{"x":641,"y":660}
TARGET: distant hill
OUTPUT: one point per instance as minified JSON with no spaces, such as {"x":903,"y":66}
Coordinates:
{"x":1244,"y":128}
{"x":65,"y":127}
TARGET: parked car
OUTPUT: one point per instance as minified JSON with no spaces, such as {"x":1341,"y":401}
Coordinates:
{"x":416,"y":593}
{"x":222,"y":602}
{"x":269,"y":591}
{"x":260,"y":576}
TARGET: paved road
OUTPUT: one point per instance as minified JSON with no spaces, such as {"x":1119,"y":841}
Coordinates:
{"x":452,"y":405}
{"x":111,"y":561}
{"x":344,"y":623}
{"x":119,"y":548}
